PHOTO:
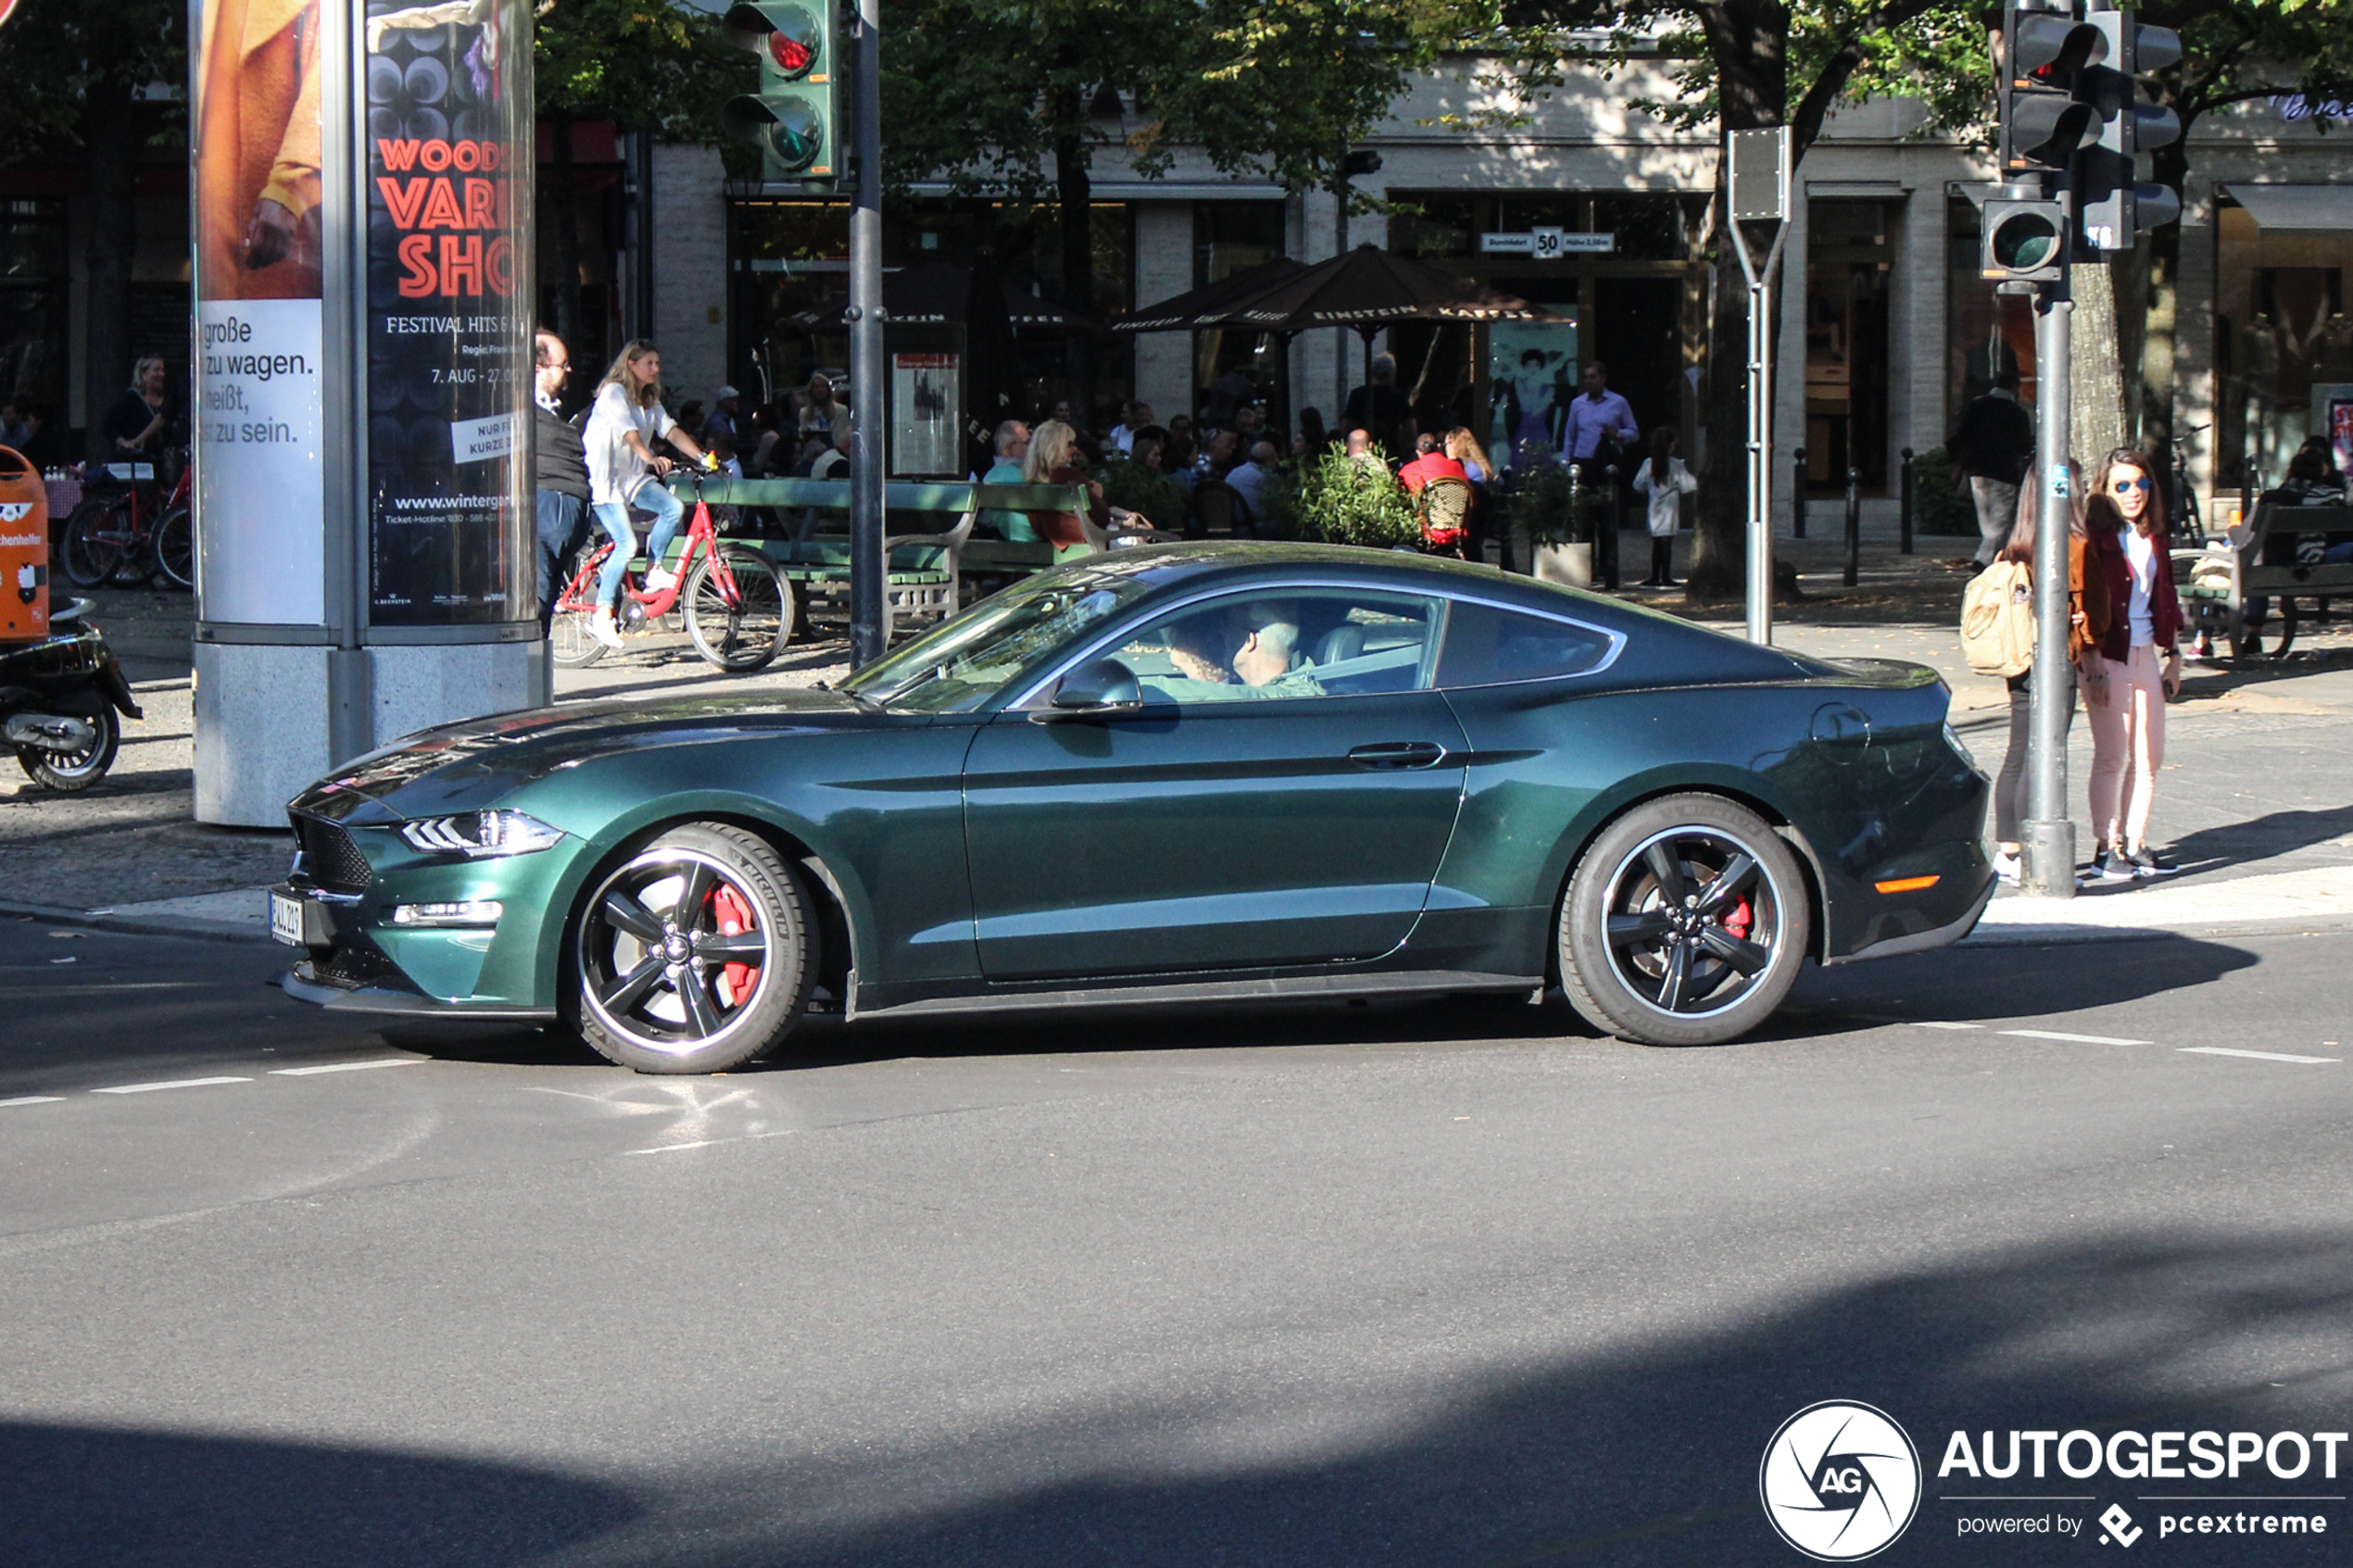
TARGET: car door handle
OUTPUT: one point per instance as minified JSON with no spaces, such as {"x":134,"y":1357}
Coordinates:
{"x":1398,"y":754}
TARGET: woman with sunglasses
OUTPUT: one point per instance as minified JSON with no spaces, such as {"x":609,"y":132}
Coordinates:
{"x":2125,"y":524}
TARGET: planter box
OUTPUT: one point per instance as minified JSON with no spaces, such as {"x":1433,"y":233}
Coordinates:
{"x":1570,"y":564}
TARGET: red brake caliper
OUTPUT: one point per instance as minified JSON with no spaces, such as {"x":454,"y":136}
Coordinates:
{"x":1739,"y":919}
{"x":733,"y":917}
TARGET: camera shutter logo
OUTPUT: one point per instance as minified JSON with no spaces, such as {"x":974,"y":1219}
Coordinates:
{"x":1840,"y":1480}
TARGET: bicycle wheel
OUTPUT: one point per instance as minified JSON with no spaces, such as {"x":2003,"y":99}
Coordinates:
{"x":568,"y":643}
{"x":175,"y":548}
{"x":742,"y":636}
{"x":92,"y":549}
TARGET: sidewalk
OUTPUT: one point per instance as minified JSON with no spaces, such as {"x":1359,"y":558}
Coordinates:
{"x":2254,"y":801}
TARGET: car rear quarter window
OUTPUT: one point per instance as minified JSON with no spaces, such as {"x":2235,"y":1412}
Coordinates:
{"x":1487,"y":644}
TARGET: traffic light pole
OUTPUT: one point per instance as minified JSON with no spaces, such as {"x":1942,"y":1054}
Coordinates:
{"x":2047,"y":836}
{"x":869,"y":426}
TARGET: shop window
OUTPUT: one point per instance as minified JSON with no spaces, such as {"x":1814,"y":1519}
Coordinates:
{"x":1847,"y":342}
{"x":1231,"y":237}
{"x":2283,"y":349}
{"x":33,"y":304}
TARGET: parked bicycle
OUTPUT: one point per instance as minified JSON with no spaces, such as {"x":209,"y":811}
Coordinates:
{"x":737,"y":608}
{"x":127,"y":538}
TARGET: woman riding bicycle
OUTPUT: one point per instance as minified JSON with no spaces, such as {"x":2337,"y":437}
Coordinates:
{"x":627,"y":419}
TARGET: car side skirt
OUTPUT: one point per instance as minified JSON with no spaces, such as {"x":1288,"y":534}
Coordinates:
{"x":1236,"y":988}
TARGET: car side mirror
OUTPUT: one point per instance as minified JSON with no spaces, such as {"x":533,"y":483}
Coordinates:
{"x":1094,"y":689}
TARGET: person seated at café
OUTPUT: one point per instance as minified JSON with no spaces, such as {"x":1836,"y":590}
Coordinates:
{"x":1429,"y":462}
{"x":1361,"y":451}
{"x":1265,"y":662}
{"x":1012,"y":448}
{"x":1249,"y":481}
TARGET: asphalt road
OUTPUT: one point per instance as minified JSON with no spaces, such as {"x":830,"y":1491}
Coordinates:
{"x":1445,"y":1284}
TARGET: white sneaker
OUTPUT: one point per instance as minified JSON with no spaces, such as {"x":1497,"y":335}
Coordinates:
{"x":600,"y":627}
{"x":2006,"y":868}
{"x":660,"y":582}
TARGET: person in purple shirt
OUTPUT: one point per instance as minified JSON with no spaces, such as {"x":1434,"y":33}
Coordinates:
{"x":1596,"y":418}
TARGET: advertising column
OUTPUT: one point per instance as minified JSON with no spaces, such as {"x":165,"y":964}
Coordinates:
{"x":264,"y":625}
{"x":449,"y":154}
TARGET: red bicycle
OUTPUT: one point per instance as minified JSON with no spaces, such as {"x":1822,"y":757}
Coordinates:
{"x":737,"y":609}
{"x":126,"y":539}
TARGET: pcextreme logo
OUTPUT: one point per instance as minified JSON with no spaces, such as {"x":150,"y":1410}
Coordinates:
{"x":1840,"y":1480}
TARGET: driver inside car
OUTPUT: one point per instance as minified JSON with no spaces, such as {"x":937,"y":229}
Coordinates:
{"x":1265,"y":660}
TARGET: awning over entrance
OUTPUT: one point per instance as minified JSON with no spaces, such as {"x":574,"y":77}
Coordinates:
{"x":2284,"y":210}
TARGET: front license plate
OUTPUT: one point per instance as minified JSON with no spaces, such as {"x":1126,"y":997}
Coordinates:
{"x":285,"y":918}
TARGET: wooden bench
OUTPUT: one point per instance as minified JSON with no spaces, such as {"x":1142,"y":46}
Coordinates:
{"x":2257,"y":560}
{"x":927,"y":572}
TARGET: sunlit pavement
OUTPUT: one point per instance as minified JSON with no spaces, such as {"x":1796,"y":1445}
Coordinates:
{"x":1453,"y":1283}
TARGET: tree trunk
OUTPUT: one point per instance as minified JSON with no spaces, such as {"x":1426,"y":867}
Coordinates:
{"x":1720,"y":559}
{"x":1074,"y":188}
{"x":563,"y":188}
{"x":109,"y":143}
{"x":2095,"y":383}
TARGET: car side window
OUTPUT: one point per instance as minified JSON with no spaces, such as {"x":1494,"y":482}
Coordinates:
{"x":1488,"y":645}
{"x":1276,"y":643}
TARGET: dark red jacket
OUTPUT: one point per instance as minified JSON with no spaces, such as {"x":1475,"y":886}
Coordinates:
{"x":2165,"y":609}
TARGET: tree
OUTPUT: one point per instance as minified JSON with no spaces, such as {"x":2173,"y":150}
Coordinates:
{"x":1742,"y":64}
{"x":1015,"y":97}
{"x":650,"y":67}
{"x":78,"y":76}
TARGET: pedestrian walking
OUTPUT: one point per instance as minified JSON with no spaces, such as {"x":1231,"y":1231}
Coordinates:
{"x":2124,"y":525}
{"x":1991,"y":446}
{"x":1664,"y":479}
{"x":559,"y":469}
{"x":2087,"y":621}
{"x":627,"y":419}
{"x":1598,"y":426}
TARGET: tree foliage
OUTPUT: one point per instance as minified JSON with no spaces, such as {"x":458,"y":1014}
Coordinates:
{"x":651,"y":66}
{"x":57,"y":57}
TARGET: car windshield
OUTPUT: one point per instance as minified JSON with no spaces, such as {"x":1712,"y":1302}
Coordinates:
{"x":963,"y":663}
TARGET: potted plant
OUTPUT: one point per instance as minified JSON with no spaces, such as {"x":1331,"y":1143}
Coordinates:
{"x":1552,"y":524}
{"x":1350,"y":501}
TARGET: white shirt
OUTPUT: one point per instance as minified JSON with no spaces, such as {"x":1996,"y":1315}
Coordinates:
{"x":615,"y":473}
{"x":1666,"y":506}
{"x":2140,"y":554}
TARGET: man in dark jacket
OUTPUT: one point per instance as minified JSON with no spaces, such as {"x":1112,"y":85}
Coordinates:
{"x":1992,"y":447}
{"x":561,"y":469}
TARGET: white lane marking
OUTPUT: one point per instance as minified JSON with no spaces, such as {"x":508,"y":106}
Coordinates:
{"x":1923,"y":1024}
{"x":174,"y":1083}
{"x":2260,"y":1056}
{"x":2075,"y":1039}
{"x":34,"y":1100}
{"x":346,"y":1066}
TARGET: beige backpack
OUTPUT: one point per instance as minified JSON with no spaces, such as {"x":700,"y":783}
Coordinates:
{"x":1997,"y":620}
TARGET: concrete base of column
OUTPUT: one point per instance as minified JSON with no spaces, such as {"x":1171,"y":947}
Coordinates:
{"x":416,"y":687}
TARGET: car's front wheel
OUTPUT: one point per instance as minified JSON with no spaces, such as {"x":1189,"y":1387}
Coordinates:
{"x":694,"y":955}
{"x":1684,"y":924}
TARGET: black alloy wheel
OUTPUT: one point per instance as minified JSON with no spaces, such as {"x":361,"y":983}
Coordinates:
{"x":694,"y":955}
{"x":1685,"y":922}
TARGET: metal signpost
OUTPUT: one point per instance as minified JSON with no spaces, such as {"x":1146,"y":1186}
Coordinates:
{"x":869,"y":427}
{"x":1757,"y":189}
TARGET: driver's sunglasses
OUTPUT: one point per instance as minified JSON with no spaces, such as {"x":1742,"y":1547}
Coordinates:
{"x":2122,"y":485}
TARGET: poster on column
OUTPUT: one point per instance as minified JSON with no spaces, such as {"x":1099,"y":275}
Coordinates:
{"x":448,"y":157}
{"x":259,"y":489}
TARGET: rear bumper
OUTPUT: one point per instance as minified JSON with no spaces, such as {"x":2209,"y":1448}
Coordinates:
{"x":1925,"y":941}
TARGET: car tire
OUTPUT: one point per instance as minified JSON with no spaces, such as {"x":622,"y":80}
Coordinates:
{"x":660,"y":982}
{"x":1684,"y":923}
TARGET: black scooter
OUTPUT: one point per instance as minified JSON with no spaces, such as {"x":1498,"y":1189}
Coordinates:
{"x":58,"y":698}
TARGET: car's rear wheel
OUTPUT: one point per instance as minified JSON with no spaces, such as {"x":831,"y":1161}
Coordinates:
{"x":694,"y":955}
{"x":1685,"y":922}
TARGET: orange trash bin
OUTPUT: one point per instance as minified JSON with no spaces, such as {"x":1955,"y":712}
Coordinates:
{"x":24,"y":550}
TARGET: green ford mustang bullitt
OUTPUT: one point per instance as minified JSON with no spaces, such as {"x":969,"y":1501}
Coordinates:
{"x":1173,"y":774}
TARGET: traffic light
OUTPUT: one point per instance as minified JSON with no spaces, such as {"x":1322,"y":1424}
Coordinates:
{"x":2111,"y":203}
{"x":2025,"y":239}
{"x":795,"y":117}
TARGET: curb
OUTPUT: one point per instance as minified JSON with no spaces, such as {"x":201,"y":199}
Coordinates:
{"x":2024,"y":935}
{"x":131,"y":925}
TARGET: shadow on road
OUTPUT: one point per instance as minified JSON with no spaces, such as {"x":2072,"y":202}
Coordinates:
{"x":1642,"y":1452}
{"x":2048,"y":980}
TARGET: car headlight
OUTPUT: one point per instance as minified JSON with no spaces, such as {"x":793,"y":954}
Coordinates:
{"x":1960,"y":747}
{"x":477,"y":835}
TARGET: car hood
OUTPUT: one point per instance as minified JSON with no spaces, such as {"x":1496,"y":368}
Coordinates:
{"x":476,"y":762}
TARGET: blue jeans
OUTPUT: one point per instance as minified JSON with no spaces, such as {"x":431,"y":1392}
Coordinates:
{"x":614,"y":517}
{"x":560,"y":518}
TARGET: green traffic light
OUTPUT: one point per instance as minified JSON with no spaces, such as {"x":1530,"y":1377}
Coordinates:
{"x":2025,"y":241}
{"x":797,"y":136}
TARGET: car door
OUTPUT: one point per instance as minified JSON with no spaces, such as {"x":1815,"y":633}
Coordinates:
{"x":1221,"y":825}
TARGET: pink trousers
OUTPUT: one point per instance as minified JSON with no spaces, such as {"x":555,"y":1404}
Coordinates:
{"x":2128,"y":746}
